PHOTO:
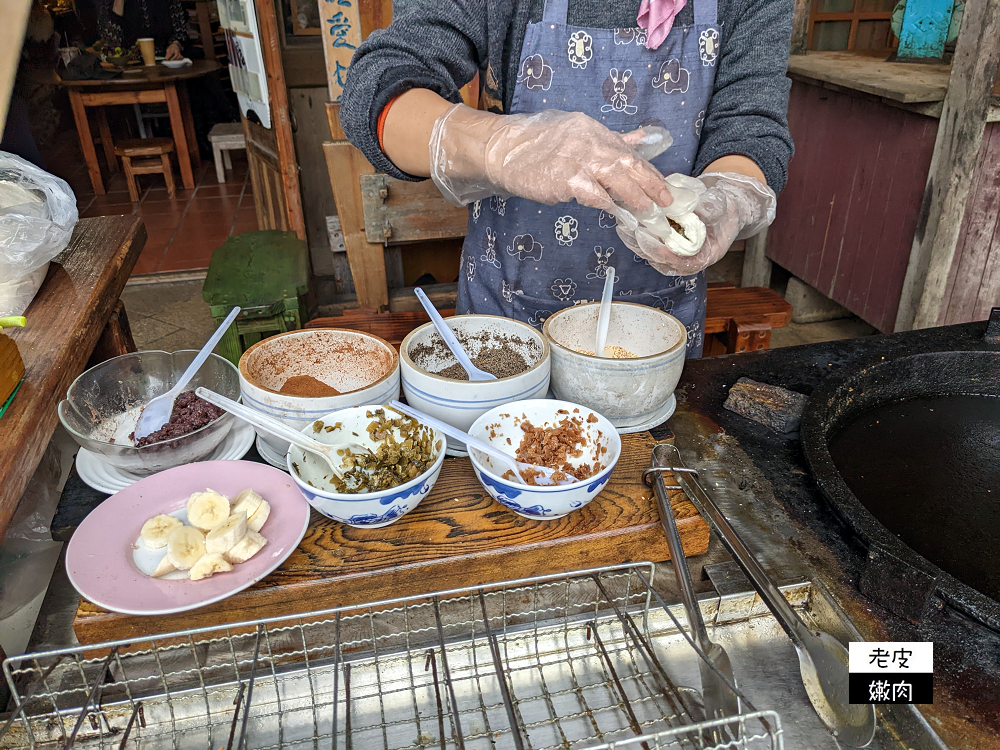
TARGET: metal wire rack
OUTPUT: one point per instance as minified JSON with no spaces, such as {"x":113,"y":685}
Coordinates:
{"x":571,"y":661}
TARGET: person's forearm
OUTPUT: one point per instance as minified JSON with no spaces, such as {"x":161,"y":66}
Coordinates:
{"x":407,"y":130}
{"x":738,"y":164}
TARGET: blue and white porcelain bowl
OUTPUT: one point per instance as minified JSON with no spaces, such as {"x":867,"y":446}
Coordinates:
{"x":501,"y":427}
{"x":368,"y":510}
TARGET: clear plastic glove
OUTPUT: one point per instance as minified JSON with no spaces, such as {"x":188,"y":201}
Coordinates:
{"x":732,"y":207}
{"x":549,"y":157}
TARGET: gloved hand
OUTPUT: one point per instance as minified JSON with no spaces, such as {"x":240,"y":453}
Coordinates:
{"x":549,"y":157}
{"x":732,"y":207}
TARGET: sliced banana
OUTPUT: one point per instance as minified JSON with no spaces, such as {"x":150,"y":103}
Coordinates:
{"x":207,"y":509}
{"x":157,"y":530}
{"x":250,"y":545}
{"x":227,"y":534}
{"x":165,"y":566}
{"x":260,"y":516}
{"x":209,"y":565}
{"x":247,"y":501}
{"x":185,"y":547}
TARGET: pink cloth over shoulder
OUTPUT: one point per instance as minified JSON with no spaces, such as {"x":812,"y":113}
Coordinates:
{"x":657,"y":18}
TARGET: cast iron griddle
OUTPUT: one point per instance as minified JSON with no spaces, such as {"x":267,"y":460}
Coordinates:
{"x":907,"y":451}
{"x":929,"y":470}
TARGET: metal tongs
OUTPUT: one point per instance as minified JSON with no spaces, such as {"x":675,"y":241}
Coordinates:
{"x":823,"y":659}
{"x":720,"y":701}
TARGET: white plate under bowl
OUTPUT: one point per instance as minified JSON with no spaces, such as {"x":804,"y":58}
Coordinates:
{"x":103,"y":477}
{"x":272,"y":457}
{"x":662,"y":415}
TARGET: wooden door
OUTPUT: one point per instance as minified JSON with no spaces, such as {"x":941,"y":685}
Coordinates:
{"x":265,"y":176}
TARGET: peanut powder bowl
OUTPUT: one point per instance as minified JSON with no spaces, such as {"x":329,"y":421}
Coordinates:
{"x":634,"y":393}
{"x":301,"y":376}
{"x":502,"y":344}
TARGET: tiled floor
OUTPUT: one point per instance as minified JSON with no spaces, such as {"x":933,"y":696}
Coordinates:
{"x":183,"y":231}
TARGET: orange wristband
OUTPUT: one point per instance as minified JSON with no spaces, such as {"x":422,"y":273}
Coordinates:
{"x":381,"y":119}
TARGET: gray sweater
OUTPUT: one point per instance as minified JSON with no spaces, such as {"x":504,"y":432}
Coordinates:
{"x":441,"y":44}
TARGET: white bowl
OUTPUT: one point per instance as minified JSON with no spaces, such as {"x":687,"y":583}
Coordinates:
{"x":547,"y":502}
{"x":369,"y":510}
{"x":363,"y":367}
{"x":460,"y":402}
{"x":627,"y":391}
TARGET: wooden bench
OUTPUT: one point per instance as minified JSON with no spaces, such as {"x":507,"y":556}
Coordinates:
{"x":737,"y":319}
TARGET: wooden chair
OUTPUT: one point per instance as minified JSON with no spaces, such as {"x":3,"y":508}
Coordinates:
{"x":146,"y":156}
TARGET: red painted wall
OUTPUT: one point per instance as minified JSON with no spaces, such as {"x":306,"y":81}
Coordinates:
{"x":846,"y":219}
{"x":974,"y":285}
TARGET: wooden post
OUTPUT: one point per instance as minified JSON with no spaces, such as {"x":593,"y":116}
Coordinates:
{"x":15,"y":15}
{"x":271,"y":50}
{"x":956,"y":153}
{"x":205,"y":29}
{"x":367,"y":260}
{"x":800,"y":27}
{"x":756,"y":266}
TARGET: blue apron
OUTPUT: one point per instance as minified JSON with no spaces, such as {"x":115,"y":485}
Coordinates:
{"x":526,"y":260}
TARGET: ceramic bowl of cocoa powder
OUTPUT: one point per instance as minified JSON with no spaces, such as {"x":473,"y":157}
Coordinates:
{"x":436,"y":384}
{"x":299,"y":376}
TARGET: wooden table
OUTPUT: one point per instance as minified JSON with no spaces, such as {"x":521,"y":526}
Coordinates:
{"x":147,"y":85}
{"x":67,"y":322}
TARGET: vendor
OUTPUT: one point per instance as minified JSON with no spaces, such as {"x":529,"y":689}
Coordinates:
{"x":122,"y":22}
{"x":568,"y":86}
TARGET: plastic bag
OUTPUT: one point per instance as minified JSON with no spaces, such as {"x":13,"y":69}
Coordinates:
{"x":37,"y":216}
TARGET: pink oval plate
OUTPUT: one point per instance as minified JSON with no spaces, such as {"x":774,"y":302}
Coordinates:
{"x":108,"y":563}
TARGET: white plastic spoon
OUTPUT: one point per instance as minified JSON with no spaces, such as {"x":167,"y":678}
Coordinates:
{"x":448,"y":336}
{"x":157,"y":412}
{"x":279,"y":429}
{"x":604,"y":316}
{"x":541,"y":472}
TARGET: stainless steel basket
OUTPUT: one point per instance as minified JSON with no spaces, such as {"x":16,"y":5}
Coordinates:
{"x":583,"y":660}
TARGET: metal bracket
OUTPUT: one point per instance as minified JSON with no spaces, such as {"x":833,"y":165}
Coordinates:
{"x":737,"y":598}
{"x":992,"y":335}
{"x":374,"y":196}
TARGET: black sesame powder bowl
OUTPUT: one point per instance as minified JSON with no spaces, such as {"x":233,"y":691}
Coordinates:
{"x":103,"y":404}
{"x":435,"y":383}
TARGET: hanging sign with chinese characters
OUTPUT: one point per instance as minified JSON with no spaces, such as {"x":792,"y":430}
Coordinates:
{"x":340,"y":22}
{"x":891,"y":672}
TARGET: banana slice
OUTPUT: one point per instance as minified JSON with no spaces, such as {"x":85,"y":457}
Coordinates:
{"x":157,"y":530}
{"x":185,"y":547}
{"x":165,"y":566}
{"x":249,"y":546}
{"x":227,"y":534}
{"x":260,"y":516}
{"x":207,"y":509}
{"x":247,"y":501}
{"x":209,"y":565}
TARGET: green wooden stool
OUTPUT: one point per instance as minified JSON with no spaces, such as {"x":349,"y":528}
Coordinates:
{"x":267,"y":274}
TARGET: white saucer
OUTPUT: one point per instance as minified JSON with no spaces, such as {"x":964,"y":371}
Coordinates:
{"x":96,"y":472}
{"x":662,"y":415}
{"x":270,"y":456}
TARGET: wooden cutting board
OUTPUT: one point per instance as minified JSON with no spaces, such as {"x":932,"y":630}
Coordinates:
{"x":457,"y":537}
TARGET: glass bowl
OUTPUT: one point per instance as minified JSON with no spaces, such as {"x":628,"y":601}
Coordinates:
{"x":102,"y":405}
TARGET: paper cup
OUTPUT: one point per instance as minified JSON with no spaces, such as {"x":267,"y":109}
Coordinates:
{"x":148,"y":50}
